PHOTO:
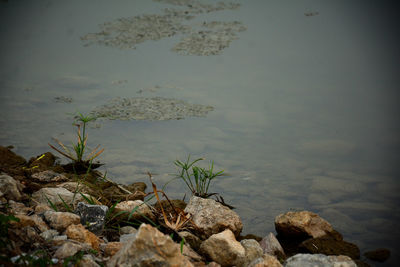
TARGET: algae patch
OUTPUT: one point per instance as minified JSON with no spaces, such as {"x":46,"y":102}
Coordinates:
{"x":204,"y":39}
{"x":154,"y":109}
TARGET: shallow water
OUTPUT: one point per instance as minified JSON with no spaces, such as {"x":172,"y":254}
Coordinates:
{"x":304,"y":106}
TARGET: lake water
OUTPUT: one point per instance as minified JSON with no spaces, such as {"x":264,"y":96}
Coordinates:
{"x":305,"y":104}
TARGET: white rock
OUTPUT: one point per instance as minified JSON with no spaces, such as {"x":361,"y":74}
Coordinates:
{"x":319,"y":260}
{"x":55,"y":195}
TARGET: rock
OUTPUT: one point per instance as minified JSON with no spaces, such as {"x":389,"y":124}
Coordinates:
{"x":252,"y":249}
{"x":88,"y":261}
{"x":49,"y":234}
{"x":49,"y":176}
{"x":112,"y":248}
{"x":42,"y":208}
{"x":67,"y":249}
{"x":191,"y":239}
{"x":18,"y":208}
{"x":11,"y":163}
{"x":265,"y":260}
{"x":93,"y":216}
{"x":191,"y":254}
{"x":61,"y":220}
{"x":149,"y":247}
{"x":73,"y":186}
{"x":304,"y":224}
{"x":330,"y":246}
{"x":126,"y":237}
{"x":380,"y":254}
{"x":250,"y":236}
{"x":79,"y":233}
{"x":138,"y":186}
{"x":55,"y":195}
{"x":129,"y":205}
{"x":319,"y":260}
{"x":10,"y":188}
{"x":213,"y":217}
{"x":34,"y":221}
{"x":42,"y":162}
{"x":127,"y":230}
{"x":223,"y":249}
{"x":270,"y":245}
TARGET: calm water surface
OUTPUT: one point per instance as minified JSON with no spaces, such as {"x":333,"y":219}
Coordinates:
{"x":305,"y":106}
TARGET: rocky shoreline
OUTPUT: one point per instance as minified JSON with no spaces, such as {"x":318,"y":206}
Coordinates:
{"x":53,"y":214}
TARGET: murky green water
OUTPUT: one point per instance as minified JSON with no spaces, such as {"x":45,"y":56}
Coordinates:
{"x":304,"y":106}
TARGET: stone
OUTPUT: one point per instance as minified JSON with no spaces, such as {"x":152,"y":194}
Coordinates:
{"x":191,"y":239}
{"x":18,"y":208}
{"x":188,"y":252}
{"x":380,"y":254}
{"x":270,"y":245}
{"x":67,"y":249}
{"x":126,"y":237}
{"x":49,"y":176}
{"x":88,"y":261}
{"x":34,"y":221}
{"x":55,"y":195}
{"x":304,"y":224}
{"x":10,"y":188}
{"x":137,"y":186}
{"x":93,"y":216}
{"x":149,"y":247}
{"x":61,"y":220}
{"x":212,"y":217}
{"x":73,"y":186}
{"x":223,"y":249}
{"x":112,"y":248}
{"x":129,"y":205}
{"x":127,"y":230}
{"x":79,"y":233}
{"x":252,"y":249}
{"x":265,"y":260}
{"x":330,"y":246}
{"x":319,"y":260}
{"x":49,"y":234}
{"x":41,"y":208}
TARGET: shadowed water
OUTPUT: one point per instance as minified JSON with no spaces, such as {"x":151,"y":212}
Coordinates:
{"x":305,"y":104}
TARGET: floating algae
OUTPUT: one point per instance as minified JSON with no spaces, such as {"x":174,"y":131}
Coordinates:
{"x":155,"y":108}
{"x":206,"y":39}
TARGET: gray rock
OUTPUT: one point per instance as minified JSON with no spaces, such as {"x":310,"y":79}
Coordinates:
{"x":49,"y":176}
{"x":60,"y":238}
{"x":271,"y":246}
{"x":67,"y":249}
{"x":127,"y":230}
{"x":88,"y":261}
{"x":49,"y":234}
{"x":55,"y":195}
{"x":10,"y":188}
{"x":319,"y":260}
{"x":212,"y":217}
{"x":149,"y":247}
{"x":224,"y":249}
{"x":191,"y":239}
{"x":18,"y":208}
{"x":126,"y":237}
{"x":141,"y":208}
{"x":253,"y":251}
{"x":92,"y":216}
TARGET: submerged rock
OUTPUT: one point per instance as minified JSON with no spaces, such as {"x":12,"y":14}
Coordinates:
{"x":319,"y":260}
{"x":155,"y":109}
{"x":380,"y":254}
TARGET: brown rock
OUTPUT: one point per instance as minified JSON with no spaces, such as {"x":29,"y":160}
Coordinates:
{"x":79,"y":233}
{"x":265,"y":260}
{"x":18,"y":208}
{"x":33,"y":220}
{"x":129,"y":205}
{"x":271,"y":246}
{"x":303,"y":224}
{"x":112,"y":248}
{"x":61,"y":220}
{"x":48,"y":176}
{"x":10,"y":188}
{"x":223,"y":249}
{"x":191,"y":239}
{"x":212,"y":217}
{"x":253,"y":251}
{"x":11,"y":163}
{"x":41,"y":208}
{"x":330,"y":246}
{"x":149,"y":247}
{"x":138,"y":186}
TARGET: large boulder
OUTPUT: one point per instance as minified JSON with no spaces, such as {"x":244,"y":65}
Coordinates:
{"x":149,"y":247}
{"x":319,"y":260}
{"x":304,"y":224}
{"x":212,"y":217}
{"x":224,"y":249}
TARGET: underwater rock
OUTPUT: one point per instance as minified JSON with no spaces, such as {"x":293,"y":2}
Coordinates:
{"x":155,"y":108}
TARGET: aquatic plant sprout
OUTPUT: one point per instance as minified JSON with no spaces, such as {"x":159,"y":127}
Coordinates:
{"x":196,"y":178}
